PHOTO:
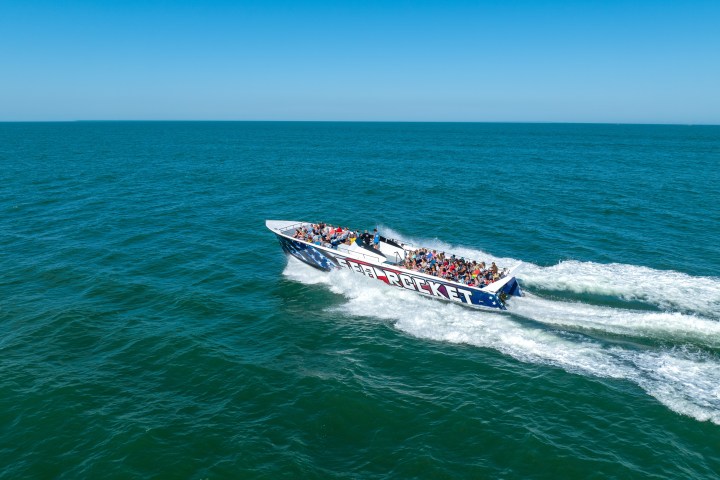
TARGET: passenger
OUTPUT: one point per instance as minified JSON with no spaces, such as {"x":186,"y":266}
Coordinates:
{"x":376,"y":240}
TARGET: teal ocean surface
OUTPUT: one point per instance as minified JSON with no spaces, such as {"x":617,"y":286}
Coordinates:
{"x":151,"y":326}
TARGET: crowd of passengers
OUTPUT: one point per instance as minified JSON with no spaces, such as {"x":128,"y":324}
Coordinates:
{"x":326,"y":235}
{"x":422,"y":260}
{"x":468,"y":272}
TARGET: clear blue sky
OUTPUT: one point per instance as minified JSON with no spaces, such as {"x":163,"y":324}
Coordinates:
{"x":548,"y":61}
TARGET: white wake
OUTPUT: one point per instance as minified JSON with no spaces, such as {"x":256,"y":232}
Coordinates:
{"x":666,"y":290}
{"x":680,"y":368}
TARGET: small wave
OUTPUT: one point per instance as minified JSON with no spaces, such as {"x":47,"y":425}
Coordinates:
{"x":686,"y":382}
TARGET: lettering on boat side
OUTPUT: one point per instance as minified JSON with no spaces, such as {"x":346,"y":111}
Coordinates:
{"x":325,"y":260}
{"x":407,"y":281}
{"x":418,"y":284}
{"x":393,"y":279}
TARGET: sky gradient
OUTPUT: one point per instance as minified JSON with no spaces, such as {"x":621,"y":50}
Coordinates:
{"x":517,"y":61}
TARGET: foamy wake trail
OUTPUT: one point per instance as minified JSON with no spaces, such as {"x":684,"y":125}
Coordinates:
{"x":667,"y":290}
{"x":670,"y":326}
{"x":688,"y":382}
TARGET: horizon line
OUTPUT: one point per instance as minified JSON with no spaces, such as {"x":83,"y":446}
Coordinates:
{"x":533,"y":122}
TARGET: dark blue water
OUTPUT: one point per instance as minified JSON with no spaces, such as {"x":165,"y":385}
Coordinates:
{"x":151,"y":326}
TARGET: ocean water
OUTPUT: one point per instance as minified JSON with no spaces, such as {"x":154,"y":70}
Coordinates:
{"x":150,"y":326}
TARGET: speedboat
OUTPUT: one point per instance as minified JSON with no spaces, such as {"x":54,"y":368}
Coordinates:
{"x":383,"y":259}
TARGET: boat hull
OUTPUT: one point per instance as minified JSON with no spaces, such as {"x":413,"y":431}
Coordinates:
{"x":327,"y":259}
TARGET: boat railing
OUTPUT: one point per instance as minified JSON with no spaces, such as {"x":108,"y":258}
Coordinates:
{"x":356,"y":253}
{"x":292,"y":226}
